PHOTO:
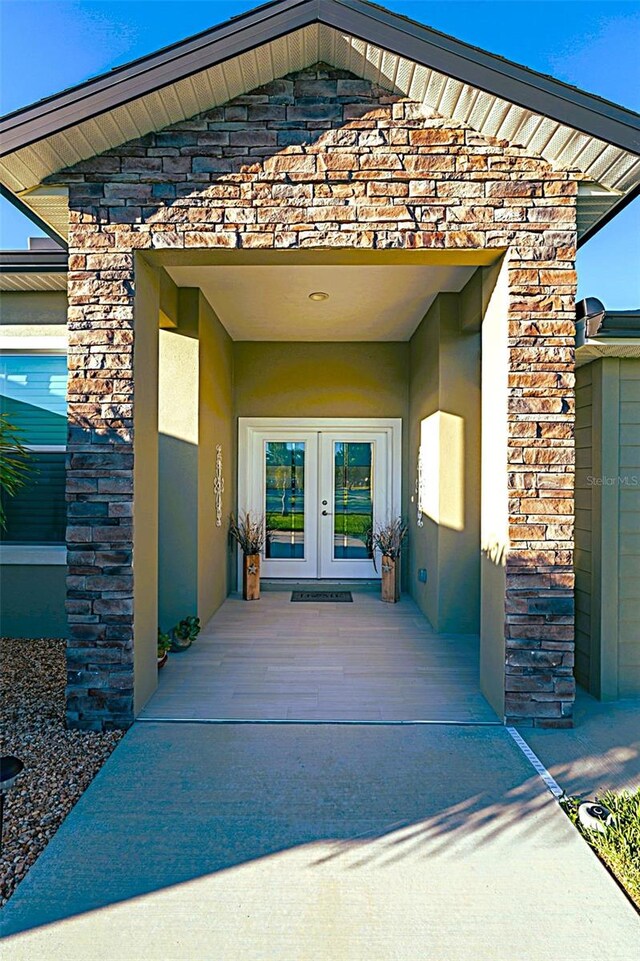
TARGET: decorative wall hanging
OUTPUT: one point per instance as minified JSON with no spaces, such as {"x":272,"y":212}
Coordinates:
{"x":218,"y":485}
{"x":419,"y":492}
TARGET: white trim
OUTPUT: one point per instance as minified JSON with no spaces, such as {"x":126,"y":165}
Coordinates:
{"x":46,"y":448}
{"x":248,"y":427}
{"x":383,"y":469}
{"x":33,"y":345}
{"x":321,"y":423}
{"x":54,"y":555}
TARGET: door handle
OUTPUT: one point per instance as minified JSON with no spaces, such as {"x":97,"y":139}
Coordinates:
{"x":326,"y":513}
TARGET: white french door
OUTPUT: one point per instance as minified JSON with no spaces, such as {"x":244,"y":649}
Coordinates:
{"x":322,"y":485}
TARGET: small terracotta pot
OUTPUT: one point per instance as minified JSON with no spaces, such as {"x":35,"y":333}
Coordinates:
{"x":162,"y":660}
{"x":251,"y":577}
{"x":390,"y":579}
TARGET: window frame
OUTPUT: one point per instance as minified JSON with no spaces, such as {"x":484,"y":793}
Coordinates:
{"x":35,"y":554}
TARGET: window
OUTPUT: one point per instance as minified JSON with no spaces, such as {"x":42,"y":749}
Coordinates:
{"x":33,"y":396}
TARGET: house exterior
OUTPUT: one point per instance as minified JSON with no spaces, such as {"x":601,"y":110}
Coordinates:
{"x":322,"y":257}
{"x":607,"y":555}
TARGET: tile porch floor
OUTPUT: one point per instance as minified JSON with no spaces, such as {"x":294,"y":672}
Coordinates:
{"x":366,"y":661}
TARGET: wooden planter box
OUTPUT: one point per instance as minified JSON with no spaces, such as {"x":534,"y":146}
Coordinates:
{"x":251,"y":577}
{"x":390,"y":579}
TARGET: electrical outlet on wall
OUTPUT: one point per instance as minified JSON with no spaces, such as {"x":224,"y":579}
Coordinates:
{"x":422,"y":575}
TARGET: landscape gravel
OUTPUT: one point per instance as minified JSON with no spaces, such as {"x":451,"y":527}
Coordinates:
{"x":59,"y":764}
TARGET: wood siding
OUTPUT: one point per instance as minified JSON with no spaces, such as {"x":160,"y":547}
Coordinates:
{"x":629,"y":536}
{"x":584,"y":520}
{"x":607,"y":554}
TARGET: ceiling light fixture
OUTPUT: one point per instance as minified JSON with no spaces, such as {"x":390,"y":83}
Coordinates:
{"x":318,"y":295}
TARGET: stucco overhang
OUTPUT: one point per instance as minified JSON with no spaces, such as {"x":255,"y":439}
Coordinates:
{"x":569,"y":128}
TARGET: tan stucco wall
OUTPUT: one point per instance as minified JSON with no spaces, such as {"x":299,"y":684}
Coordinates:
{"x":216,"y":570}
{"x":145,"y":483}
{"x":195,"y":415}
{"x":178,"y":468}
{"x":444,"y":416}
{"x":494,"y":518}
{"x":321,"y":379}
{"x":423,"y":401}
{"x":25,"y":307}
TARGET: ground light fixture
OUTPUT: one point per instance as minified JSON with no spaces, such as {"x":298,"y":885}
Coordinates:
{"x":10,"y":768}
{"x":595,"y":816}
{"x":318,"y":295}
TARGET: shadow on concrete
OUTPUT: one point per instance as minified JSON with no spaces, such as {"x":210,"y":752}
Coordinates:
{"x":181,"y":802}
{"x":601,"y":753}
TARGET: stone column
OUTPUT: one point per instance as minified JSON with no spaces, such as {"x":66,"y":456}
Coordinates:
{"x":539,"y":683}
{"x":100,"y":482}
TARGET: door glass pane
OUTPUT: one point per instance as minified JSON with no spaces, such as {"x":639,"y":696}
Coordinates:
{"x":353,"y":509}
{"x":284,"y":506}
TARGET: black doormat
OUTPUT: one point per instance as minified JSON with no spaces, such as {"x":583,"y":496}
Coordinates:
{"x":318,"y":596}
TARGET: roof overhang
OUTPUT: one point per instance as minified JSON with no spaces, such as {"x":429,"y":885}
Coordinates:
{"x":627,"y":347}
{"x":618,"y":336}
{"x":33,"y":270}
{"x":569,"y":128}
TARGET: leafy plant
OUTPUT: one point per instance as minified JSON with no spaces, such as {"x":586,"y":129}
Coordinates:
{"x":619,"y":846}
{"x":14,"y":467}
{"x":388,"y":538}
{"x":187,"y":629}
{"x":250,"y":533}
{"x":164,"y":643}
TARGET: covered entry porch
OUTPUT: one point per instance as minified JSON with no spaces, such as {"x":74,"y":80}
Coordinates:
{"x":404,"y":343}
{"x":323,"y":661}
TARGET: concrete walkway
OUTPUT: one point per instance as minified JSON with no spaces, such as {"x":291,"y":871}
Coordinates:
{"x":365,"y":661}
{"x":202,"y":842}
{"x":601,"y":753}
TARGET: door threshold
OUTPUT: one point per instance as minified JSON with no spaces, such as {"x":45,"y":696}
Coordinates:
{"x":313,"y":584}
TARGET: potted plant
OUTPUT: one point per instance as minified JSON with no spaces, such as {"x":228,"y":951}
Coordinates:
{"x":184,"y":633}
{"x":250,"y":533}
{"x":164,"y":646}
{"x":388,"y":539}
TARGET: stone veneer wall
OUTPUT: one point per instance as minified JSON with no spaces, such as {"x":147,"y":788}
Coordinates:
{"x":320,"y":159}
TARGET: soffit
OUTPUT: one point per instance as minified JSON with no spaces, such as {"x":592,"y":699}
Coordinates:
{"x":491,"y":95}
{"x":36,"y":270}
{"x":33,"y":281}
{"x":366,"y":303}
{"x":618,"y":347}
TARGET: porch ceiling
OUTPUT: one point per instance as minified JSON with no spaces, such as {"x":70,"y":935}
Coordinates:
{"x":365,"y":303}
{"x":569,"y":128}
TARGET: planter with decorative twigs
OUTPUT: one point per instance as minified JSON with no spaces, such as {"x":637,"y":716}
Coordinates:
{"x":250,"y":532}
{"x":388,"y":539}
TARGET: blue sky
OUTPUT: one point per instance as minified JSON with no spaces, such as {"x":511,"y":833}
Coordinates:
{"x":47,"y":45}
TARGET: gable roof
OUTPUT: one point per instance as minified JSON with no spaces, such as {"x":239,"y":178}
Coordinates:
{"x":566,"y":126}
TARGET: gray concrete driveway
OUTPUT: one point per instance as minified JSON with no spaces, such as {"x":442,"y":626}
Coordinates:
{"x":317,"y":843}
